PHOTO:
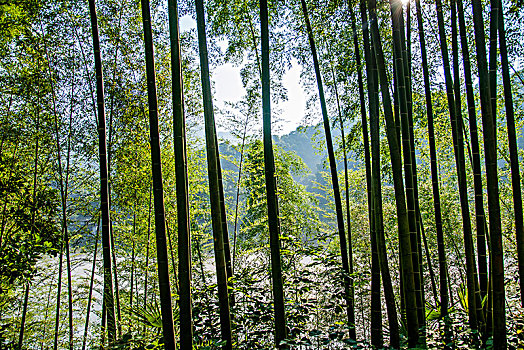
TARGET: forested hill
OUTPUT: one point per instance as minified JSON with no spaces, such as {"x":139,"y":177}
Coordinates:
{"x":308,"y":143}
{"x":304,"y":142}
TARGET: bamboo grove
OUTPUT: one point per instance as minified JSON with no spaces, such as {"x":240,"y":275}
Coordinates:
{"x":142,"y":206}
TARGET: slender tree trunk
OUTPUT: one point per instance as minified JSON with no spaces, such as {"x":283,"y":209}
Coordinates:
{"x":271,"y":186}
{"x":373,"y":97}
{"x":147,"y":247}
{"x":238,"y":190}
{"x":132,"y":282}
{"x":113,"y":261}
{"x":64,"y":200}
{"x":158,"y":190}
{"x":420,"y":234}
{"x":389,"y":295}
{"x":209,"y":321}
{"x":225,"y":230}
{"x":475,"y":318}
{"x":179,"y":142}
{"x":480,"y":215}
{"x":375,"y":183}
{"x":377,"y":339}
{"x":404,"y":92}
{"x":460,"y":123}
{"x":91,"y":284}
{"x":63,"y":196}
{"x":377,"y":334}
{"x":513,"y":152}
{"x":214,"y":182}
{"x":24,"y":313}
{"x":104,"y":191}
{"x":255,"y":49}
{"x":58,"y":295}
{"x":172,"y":255}
{"x":396,"y":103}
{"x":490,"y":136}
{"x":33,"y":213}
{"x":103,"y":327}
{"x":407,"y":271}
{"x":223,"y":212}
{"x":394,"y":337}
{"x":351,"y":306}
{"x":365,"y":138}
{"x":443,"y":281}
{"x":46,"y":313}
{"x":333,"y":169}
{"x":377,"y":197}
{"x":396,"y":113}
{"x":428,"y":259}
{"x":490,"y":146}
{"x":109,"y":156}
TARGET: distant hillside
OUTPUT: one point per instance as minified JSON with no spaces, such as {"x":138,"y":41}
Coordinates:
{"x":301,"y":142}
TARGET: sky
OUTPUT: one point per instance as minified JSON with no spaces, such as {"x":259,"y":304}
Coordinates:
{"x":228,"y":88}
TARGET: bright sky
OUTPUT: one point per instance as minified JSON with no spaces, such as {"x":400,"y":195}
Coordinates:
{"x":228,"y":87}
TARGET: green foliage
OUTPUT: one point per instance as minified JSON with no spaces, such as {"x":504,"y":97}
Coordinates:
{"x":298,"y":218}
{"x":28,"y":226}
{"x":148,"y":316}
{"x":15,"y":19}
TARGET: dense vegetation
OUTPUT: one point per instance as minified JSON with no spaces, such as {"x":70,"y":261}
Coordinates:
{"x":391,"y":219}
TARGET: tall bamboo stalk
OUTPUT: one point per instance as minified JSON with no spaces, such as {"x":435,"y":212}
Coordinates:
{"x":58,"y":295}
{"x":404,"y":95}
{"x":271,"y":186}
{"x":407,"y":271}
{"x":223,"y":215}
{"x":133,"y":256}
{"x":474,"y":305}
{"x":214,"y":182}
{"x":33,"y":213}
{"x":255,"y":49}
{"x":490,"y":137}
{"x":147,"y":246}
{"x":172,"y":256}
{"x":444,"y":299}
{"x":490,"y":147}
{"x":104,"y":190}
{"x":460,"y":122}
{"x":66,"y":232}
{"x":376,"y":308}
{"x":91,"y":285}
{"x":373,"y":97}
{"x":237,"y":197}
{"x":351,"y":306}
{"x":63,"y":197}
{"x":179,"y":143}
{"x":158,"y":188}
{"x":366,"y":145}
{"x":480,"y":215}
{"x":109,"y":158}
{"x":420,"y":236}
{"x":24,"y":314}
{"x":513,"y":151}
{"x":332,"y":167}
